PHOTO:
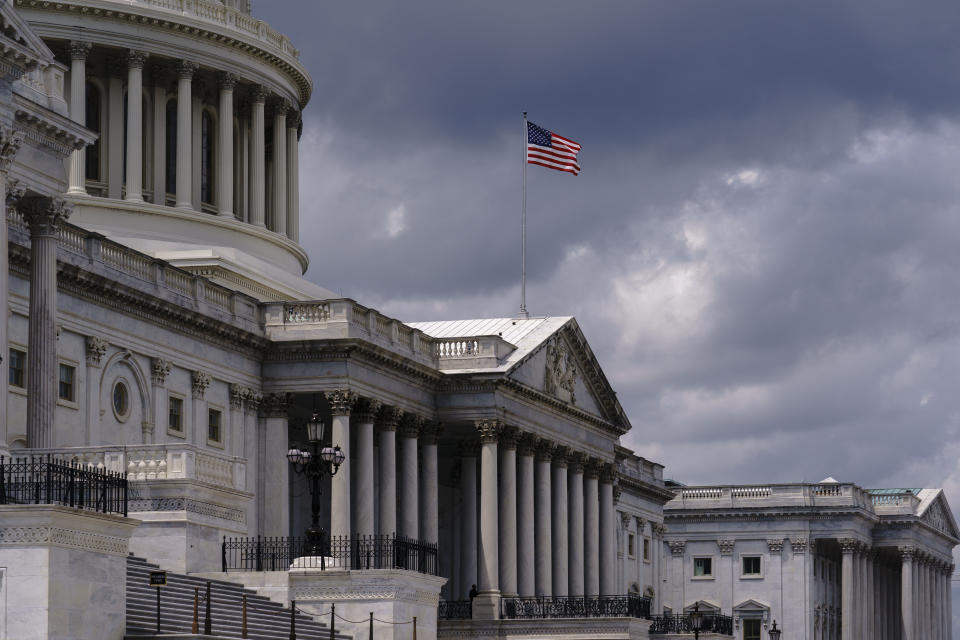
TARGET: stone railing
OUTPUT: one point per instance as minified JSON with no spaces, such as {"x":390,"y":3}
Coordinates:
{"x":839,"y":494}
{"x":642,"y":470}
{"x":157,"y":462}
{"x":91,"y":247}
{"x":889,"y":503}
{"x":474,"y":352}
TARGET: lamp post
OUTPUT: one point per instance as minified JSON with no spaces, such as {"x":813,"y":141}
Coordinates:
{"x":696,"y":621}
{"x":315,"y":464}
{"x":774,"y":632}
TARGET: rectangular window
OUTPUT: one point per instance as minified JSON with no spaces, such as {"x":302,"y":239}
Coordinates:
{"x":751,"y":629}
{"x":702,"y":567}
{"x":630,"y":543}
{"x":751,"y":565}
{"x":213,"y":425}
{"x":175,"y":415}
{"x":66,"y":382}
{"x":18,"y":364}
{"x":646,"y":549}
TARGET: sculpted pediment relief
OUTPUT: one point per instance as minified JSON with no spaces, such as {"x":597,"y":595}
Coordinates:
{"x":560,"y":373}
{"x":939,"y":517}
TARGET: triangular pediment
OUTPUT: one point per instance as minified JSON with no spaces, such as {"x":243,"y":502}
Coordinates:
{"x":16,"y":34}
{"x":564,"y":368}
{"x":939,"y":516}
{"x":705,"y":606}
{"x":748,"y":606}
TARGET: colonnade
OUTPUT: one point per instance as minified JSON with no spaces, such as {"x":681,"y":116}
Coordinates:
{"x":251,"y":182}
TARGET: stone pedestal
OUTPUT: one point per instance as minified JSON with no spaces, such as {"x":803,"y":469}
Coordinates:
{"x":63,"y":573}
{"x":393,"y":595}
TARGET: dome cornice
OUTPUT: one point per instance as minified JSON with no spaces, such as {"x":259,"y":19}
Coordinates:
{"x":199,"y":19}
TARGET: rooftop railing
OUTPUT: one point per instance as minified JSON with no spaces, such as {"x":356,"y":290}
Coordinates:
{"x":826,"y":494}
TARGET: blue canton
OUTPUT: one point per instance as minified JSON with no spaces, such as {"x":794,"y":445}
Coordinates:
{"x":538,"y":135}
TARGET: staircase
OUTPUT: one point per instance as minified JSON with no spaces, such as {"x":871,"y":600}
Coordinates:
{"x":266,"y":620}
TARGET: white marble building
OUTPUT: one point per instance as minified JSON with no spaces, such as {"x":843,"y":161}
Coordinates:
{"x":827,"y":561}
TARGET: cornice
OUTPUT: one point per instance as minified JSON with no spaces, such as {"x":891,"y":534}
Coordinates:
{"x":661,"y":495}
{"x":555,"y":403}
{"x":768,"y":513}
{"x":48,"y":128}
{"x":145,"y":16}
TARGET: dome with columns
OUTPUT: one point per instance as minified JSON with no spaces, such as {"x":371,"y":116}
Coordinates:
{"x":202,"y":171}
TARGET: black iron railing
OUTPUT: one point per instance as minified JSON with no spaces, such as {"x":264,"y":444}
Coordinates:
{"x":680,"y":623}
{"x":45,"y":480}
{"x":628,"y":606}
{"x":454,"y":610}
{"x":338,"y":552}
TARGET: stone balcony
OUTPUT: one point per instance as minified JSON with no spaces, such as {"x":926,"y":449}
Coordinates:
{"x":772,"y":495}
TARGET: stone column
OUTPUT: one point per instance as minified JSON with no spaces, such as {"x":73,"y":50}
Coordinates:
{"x":365,"y":414}
{"x":560,"y":540}
{"x":341,"y":402}
{"x":595,"y":544}
{"x":468,"y":516}
{"x":543,"y":524}
{"x":280,"y":166}
{"x":135,"y":62}
{"x":78,"y":113}
{"x":43,"y":216}
{"x":159,"y":76}
{"x":526,"y":547}
{"x":224,"y":175}
{"x":293,"y":176}
{"x":608,"y":537}
{"x":486,"y":604}
{"x":508,"y":512}
{"x":114,"y":134}
{"x":870,"y":630}
{"x":849,"y":547}
{"x":678,"y":580}
{"x":258,"y":174}
{"x":921,"y":610}
{"x":430,"y":483}
{"x":575,"y":525}
{"x":274,"y":502}
{"x":185,"y":134}
{"x":906,"y":592}
{"x":199,"y":382}
{"x":388,"y":419}
{"x":409,"y":508}
{"x":96,"y":348}
{"x":10,"y":141}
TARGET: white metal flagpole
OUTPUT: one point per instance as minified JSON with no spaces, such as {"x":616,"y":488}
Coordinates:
{"x":523,"y":227}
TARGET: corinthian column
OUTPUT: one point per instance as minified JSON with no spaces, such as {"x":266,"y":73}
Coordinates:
{"x":10,"y":141}
{"x":78,"y":113}
{"x":848,"y":616}
{"x":258,"y":98}
{"x":486,"y":604}
{"x":608,"y":537}
{"x":185,"y":134}
{"x":593,"y":541}
{"x":575,"y":525}
{"x":430,"y":483}
{"x":544,"y":537}
{"x":526,"y":568}
{"x":135,"y":61}
{"x":560,"y":518}
{"x":44,"y":216}
{"x":341,"y":402}
{"x":468,"y":516}
{"x":364,"y":414}
{"x":906,"y":592}
{"x":409,"y":517}
{"x":280,"y":166}
{"x":508,"y":512}
{"x":225,"y":148}
{"x":293,"y":176}
{"x":274,"y":499}
{"x":388,"y":419}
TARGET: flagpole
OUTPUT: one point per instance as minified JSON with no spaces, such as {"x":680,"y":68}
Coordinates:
{"x":523,"y":227}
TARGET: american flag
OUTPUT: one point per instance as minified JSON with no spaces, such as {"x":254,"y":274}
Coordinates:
{"x":547,"y":149}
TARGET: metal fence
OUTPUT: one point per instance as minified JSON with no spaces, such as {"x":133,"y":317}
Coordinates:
{"x":45,"y":480}
{"x":680,"y":623}
{"x":455,"y":610}
{"x":339,"y":552}
{"x":628,"y":606}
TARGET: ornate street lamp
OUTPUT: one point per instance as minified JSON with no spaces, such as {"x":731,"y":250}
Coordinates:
{"x":696,"y":621}
{"x":774,"y":632}
{"x":315,"y":464}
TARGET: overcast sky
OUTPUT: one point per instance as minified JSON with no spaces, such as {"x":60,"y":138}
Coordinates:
{"x":763,"y":248}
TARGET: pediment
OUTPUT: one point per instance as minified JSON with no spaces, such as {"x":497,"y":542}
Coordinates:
{"x":705,"y":606}
{"x":751,"y":606}
{"x":14,"y":30}
{"x":564,"y":368}
{"x":939,"y":516}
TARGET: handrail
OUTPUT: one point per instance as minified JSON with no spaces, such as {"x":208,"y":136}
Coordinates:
{"x":46,"y":480}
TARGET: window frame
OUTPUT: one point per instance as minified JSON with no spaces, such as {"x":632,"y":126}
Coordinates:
{"x":752,"y":576}
{"x":20,"y":388}
{"x":693,"y":568}
{"x":219,"y":442}
{"x":74,"y":384}
{"x":646,"y":549}
{"x":182,"y":431}
{"x":118,"y":382}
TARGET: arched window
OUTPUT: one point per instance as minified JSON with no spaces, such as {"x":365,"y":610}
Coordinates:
{"x":93,"y":123}
{"x":171,"y":160}
{"x":207,"y":134}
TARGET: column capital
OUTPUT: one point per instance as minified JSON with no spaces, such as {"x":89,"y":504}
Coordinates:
{"x":159,"y":369}
{"x":726,"y":546}
{"x":254,"y":400}
{"x":509,"y":437}
{"x":544,"y":450}
{"x":625,"y":519}
{"x":136,"y":59}
{"x":575,"y":461}
{"x":186,"y":69}
{"x":10,"y":141}
{"x":409,"y":426}
{"x":677,"y":547}
{"x":617,"y":492}
{"x":366,"y":410}
{"x":79,"y":49}
{"x":238,"y":394}
{"x":259,"y":93}
{"x":15,"y":191}
{"x":341,"y":401}
{"x":659,"y":530}
{"x":526,"y":444}
{"x":43,"y":214}
{"x":278,"y":106}
{"x":775,"y":545}
{"x":388,"y":418}
{"x":848,"y":546}
{"x":96,"y":348}
{"x":200,"y":381}
{"x":608,"y":473}
{"x":561,"y":456}
{"x":798,"y":545}
{"x":430,"y":433}
{"x":592,"y":468}
{"x":489,"y":430}
{"x":907,"y":552}
{"x":276,"y":405}
{"x":226,"y":81}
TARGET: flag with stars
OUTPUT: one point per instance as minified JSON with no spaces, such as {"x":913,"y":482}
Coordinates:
{"x":547,"y":149}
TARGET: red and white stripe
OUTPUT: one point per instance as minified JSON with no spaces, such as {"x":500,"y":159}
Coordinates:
{"x":562,"y":156}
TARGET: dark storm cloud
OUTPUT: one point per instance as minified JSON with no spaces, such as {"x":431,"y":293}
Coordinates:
{"x":762,"y":245}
